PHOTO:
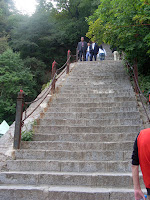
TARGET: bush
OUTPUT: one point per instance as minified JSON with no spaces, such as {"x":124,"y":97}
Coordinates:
{"x":27,"y":135}
{"x":144,"y":82}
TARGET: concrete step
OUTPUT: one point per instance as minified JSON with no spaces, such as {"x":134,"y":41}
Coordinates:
{"x":97,"y":91}
{"x":31,"y":192}
{"x":69,"y":166}
{"x":59,"y":110}
{"x":86,"y":129}
{"x":93,"y":100}
{"x":112,"y":180}
{"x":99,"y":115}
{"x":98,"y":80}
{"x":102,"y":104}
{"x":89,"y":122}
{"x":102,"y":95}
{"x":77,"y":146}
{"x":73,"y":155}
{"x":88,"y":137}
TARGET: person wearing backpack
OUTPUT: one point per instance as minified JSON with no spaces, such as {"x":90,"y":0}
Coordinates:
{"x":102,"y":53}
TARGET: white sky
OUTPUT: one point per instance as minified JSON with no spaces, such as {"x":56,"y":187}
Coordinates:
{"x":26,"y":6}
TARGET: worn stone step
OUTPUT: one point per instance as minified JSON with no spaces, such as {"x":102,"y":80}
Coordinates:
{"x":97,"y":80}
{"x":77,"y":146}
{"x":93,"y":100}
{"x":73,"y":155}
{"x":89,"y":122}
{"x":102,"y":104}
{"x":88,"y":137}
{"x":113,"y":180}
{"x":99,"y":115}
{"x":100,"y":95}
{"x":94,"y":115}
{"x":64,"y":110}
{"x":87,"y":129}
{"x":99,"y":91}
{"x":96,"y":84}
{"x":69,"y":166}
{"x":31,"y":192}
{"x":93,"y":89}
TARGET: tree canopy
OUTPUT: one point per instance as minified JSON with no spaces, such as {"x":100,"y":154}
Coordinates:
{"x":123,"y":24}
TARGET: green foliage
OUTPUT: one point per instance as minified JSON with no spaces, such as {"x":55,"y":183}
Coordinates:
{"x":38,"y":70}
{"x":27,"y":135}
{"x":144,"y":82}
{"x":13,"y":76}
{"x":3,"y":44}
{"x":113,"y":23}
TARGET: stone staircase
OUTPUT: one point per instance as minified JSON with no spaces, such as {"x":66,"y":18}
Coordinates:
{"x":82,"y":147}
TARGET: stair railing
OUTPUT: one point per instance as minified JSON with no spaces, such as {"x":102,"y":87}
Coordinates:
{"x":56,"y":74}
{"x":134,"y":75}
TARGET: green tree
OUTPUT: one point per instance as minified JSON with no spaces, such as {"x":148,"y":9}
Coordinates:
{"x":120,"y":24}
{"x":13,"y":76}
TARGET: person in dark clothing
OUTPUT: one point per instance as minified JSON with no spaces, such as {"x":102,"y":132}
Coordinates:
{"x":141,"y":156}
{"x":93,"y":51}
{"x":82,"y":47}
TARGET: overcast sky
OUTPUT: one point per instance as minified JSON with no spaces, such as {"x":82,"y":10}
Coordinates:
{"x":26,"y":6}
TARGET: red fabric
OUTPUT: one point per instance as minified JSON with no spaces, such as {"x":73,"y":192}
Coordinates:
{"x":143,"y":143}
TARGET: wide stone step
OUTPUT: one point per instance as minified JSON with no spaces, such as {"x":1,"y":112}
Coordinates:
{"x":102,"y":104}
{"x":97,"y":91}
{"x":69,"y":166}
{"x":89,"y":122}
{"x":93,"y":100}
{"x":112,"y":180}
{"x":73,"y":155}
{"x":89,"y":110}
{"x":94,"y":89}
{"x":87,"y":129}
{"x":77,"y":146}
{"x":102,"y":95}
{"x":88,"y":137}
{"x":31,"y":192}
{"x":99,"y":115}
{"x":97,"y":79}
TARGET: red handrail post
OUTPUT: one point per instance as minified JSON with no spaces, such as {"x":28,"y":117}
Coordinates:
{"x":68,"y":59}
{"x":135,"y":69}
{"x":53,"y":74}
{"x":18,"y":121}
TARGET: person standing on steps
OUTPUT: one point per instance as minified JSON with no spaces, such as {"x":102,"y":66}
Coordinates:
{"x":93,"y":50}
{"x":102,"y":53}
{"x":88,"y":51}
{"x":141,"y":156}
{"x":82,"y":47}
{"x":116,"y":54}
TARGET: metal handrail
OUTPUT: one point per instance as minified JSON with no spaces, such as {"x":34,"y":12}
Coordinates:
{"x":140,"y":92}
{"x":51,"y":87}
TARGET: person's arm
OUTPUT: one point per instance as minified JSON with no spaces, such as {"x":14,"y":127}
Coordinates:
{"x":135,"y":172}
{"x":136,"y":182}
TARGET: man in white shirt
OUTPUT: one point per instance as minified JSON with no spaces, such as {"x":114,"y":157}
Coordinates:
{"x":88,"y":52}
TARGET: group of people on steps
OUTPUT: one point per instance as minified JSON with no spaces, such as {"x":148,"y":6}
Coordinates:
{"x":141,"y":149}
{"x":90,"y":50}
